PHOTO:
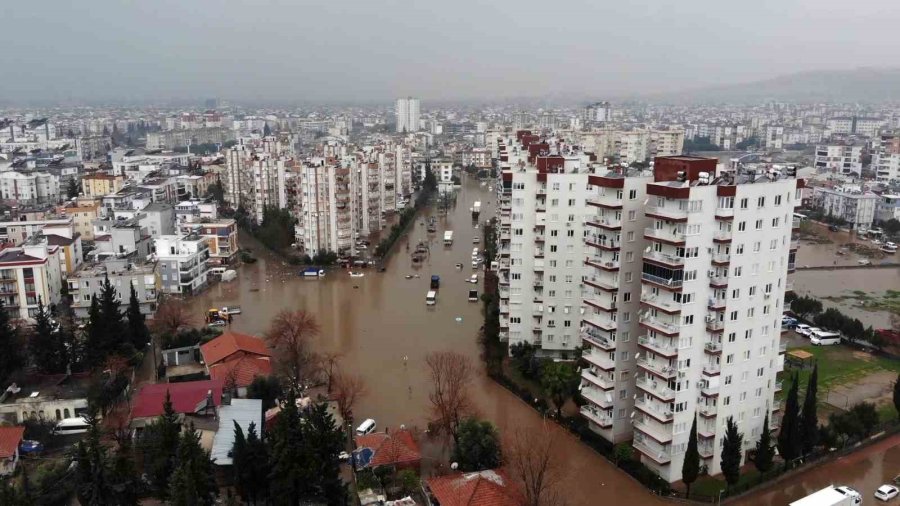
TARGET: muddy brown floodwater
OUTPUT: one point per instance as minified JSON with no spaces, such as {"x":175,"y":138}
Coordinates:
{"x":376,"y":320}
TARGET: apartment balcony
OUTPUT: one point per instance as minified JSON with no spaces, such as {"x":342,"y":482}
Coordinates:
{"x":724,"y":213}
{"x":721,"y":258}
{"x":597,"y":398}
{"x":706,"y":451}
{"x":664,"y":258}
{"x":505,"y":235}
{"x":599,"y":301}
{"x":602,"y":322}
{"x":670,"y":213}
{"x":656,"y":433}
{"x":598,"y":241}
{"x":665,"y":235}
{"x":722,"y":236}
{"x":779,"y":386}
{"x":711,"y":370}
{"x":601,"y":263}
{"x":667,"y":328}
{"x":603,"y":283}
{"x":599,"y":359}
{"x":716,"y":304}
{"x":605,"y":203}
{"x":718,"y":282}
{"x":715,"y":325}
{"x":605,"y":223}
{"x":668,"y":283}
{"x":776,"y":405}
{"x":710,"y":391}
{"x":603,"y":381}
{"x":597,"y":340}
{"x":792,"y":266}
{"x":789,"y":286}
{"x":779,"y":363}
{"x":659,"y":369}
{"x":596,"y":416}
{"x":662,"y":303}
{"x":651,"y":450}
{"x":712,"y":347}
{"x":656,"y":389}
{"x":707,"y":411}
{"x":662,"y":347}
{"x":795,"y":223}
{"x":782,"y":348}
{"x":794,"y":244}
{"x":649,"y":407}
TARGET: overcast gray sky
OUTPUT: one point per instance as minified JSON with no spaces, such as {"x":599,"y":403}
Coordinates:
{"x":365,"y":50}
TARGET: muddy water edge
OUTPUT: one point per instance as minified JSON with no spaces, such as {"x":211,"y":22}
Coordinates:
{"x":377,"y":320}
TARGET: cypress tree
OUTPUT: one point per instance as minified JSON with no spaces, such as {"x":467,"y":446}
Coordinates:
{"x":193,"y":482}
{"x":95,"y":336}
{"x":897,"y":394}
{"x":10,"y":358}
{"x":690,"y":469}
{"x":46,"y":347}
{"x":731,"y":453}
{"x":250,"y":464}
{"x":159,"y":445}
{"x":789,"y":434}
{"x":137,"y":326}
{"x":93,"y":485}
{"x":764,"y":453}
{"x":809,"y":423}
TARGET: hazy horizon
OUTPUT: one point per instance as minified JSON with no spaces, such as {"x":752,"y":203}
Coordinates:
{"x":364,"y":52}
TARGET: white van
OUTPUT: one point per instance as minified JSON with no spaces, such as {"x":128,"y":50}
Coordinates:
{"x":824,"y":338}
{"x":77,"y":425}
{"x":431,"y":298}
{"x":803,"y":329}
{"x":367,"y":427}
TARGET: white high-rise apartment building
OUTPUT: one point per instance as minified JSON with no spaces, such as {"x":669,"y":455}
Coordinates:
{"x":407,"y":111}
{"x":715,"y":269}
{"x":326,"y":217}
{"x":886,"y":158}
{"x":681,"y":275}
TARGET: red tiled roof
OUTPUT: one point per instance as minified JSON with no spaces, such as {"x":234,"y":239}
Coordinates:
{"x":10,"y":437}
{"x":230,"y":343}
{"x":391,"y":449}
{"x":484,"y":488}
{"x":242,"y":369}
{"x":148,"y":402}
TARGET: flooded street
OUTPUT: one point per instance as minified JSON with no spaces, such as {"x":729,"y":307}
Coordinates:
{"x":865,"y":471}
{"x":823,"y":283}
{"x":376,"y":320}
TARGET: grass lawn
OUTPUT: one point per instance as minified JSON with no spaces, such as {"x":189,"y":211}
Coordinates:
{"x":710,"y":486}
{"x":840,"y":365}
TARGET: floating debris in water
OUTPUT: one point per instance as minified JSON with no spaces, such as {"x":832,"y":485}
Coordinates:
{"x":459,"y":318}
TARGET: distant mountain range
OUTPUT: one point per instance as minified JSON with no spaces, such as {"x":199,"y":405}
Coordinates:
{"x":865,"y":85}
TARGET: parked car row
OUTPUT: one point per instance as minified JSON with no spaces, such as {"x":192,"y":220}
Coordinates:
{"x":817,"y":336}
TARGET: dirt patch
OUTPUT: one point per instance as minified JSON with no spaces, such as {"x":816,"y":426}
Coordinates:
{"x":876,"y":388}
{"x":862,"y":355}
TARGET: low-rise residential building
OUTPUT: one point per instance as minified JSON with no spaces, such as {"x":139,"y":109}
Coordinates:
{"x":71,"y":252}
{"x":887,"y":208}
{"x":122,"y":274}
{"x":236,"y":359}
{"x":101,"y":184}
{"x":159,"y":219}
{"x":857,"y":208}
{"x":27,"y":273}
{"x":222,"y":237}
{"x":83,"y":213}
{"x":121,"y":238}
{"x":183,"y":263}
{"x":840,"y":158}
{"x":29,"y":187}
{"x":45,"y":397}
{"x":17,"y":232}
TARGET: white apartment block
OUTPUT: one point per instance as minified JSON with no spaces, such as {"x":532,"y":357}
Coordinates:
{"x":774,"y":137}
{"x":183,"y":263}
{"x":886,"y":158}
{"x":888,"y":208}
{"x":407,"y":112}
{"x":714,"y":277}
{"x":857,"y":208}
{"x":26,"y":274}
{"x":29,"y":188}
{"x":255,"y":176}
{"x":326,"y":218}
{"x":629,"y":146}
{"x":672,"y":281}
{"x":839,"y":158}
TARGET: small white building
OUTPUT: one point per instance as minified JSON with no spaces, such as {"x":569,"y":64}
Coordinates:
{"x":183,"y":263}
{"x":857,"y":208}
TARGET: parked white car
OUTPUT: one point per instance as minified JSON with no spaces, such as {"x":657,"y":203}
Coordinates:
{"x":886,"y":492}
{"x":803,"y":329}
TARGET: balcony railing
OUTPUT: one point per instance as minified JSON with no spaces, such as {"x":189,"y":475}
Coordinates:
{"x":596,"y":416}
{"x":708,"y":410}
{"x":661,"y":281}
{"x":602,"y":282}
{"x":601,"y":321}
{"x":597,"y":340}
{"x":712,"y":347}
{"x":661,"y":302}
{"x":599,"y":359}
{"x":603,"y":242}
{"x":675,"y":213}
{"x":647,"y":406}
{"x":602,"y":380}
{"x":666,"y":327}
{"x":715,"y":325}
{"x":721,"y":258}
{"x":663,"y":392}
{"x":598,"y":398}
{"x":656,"y":432}
{"x":663,"y":370}
{"x":711,"y":369}
{"x":664,"y":235}
{"x":660,"y":346}
{"x":655,"y":452}
{"x":665,"y":258}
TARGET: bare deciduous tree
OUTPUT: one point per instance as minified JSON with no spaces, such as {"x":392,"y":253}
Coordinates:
{"x":533,"y":460}
{"x":348,"y":389}
{"x":328,"y":365}
{"x":171,"y":316}
{"x":291,"y":335}
{"x":451,"y":376}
